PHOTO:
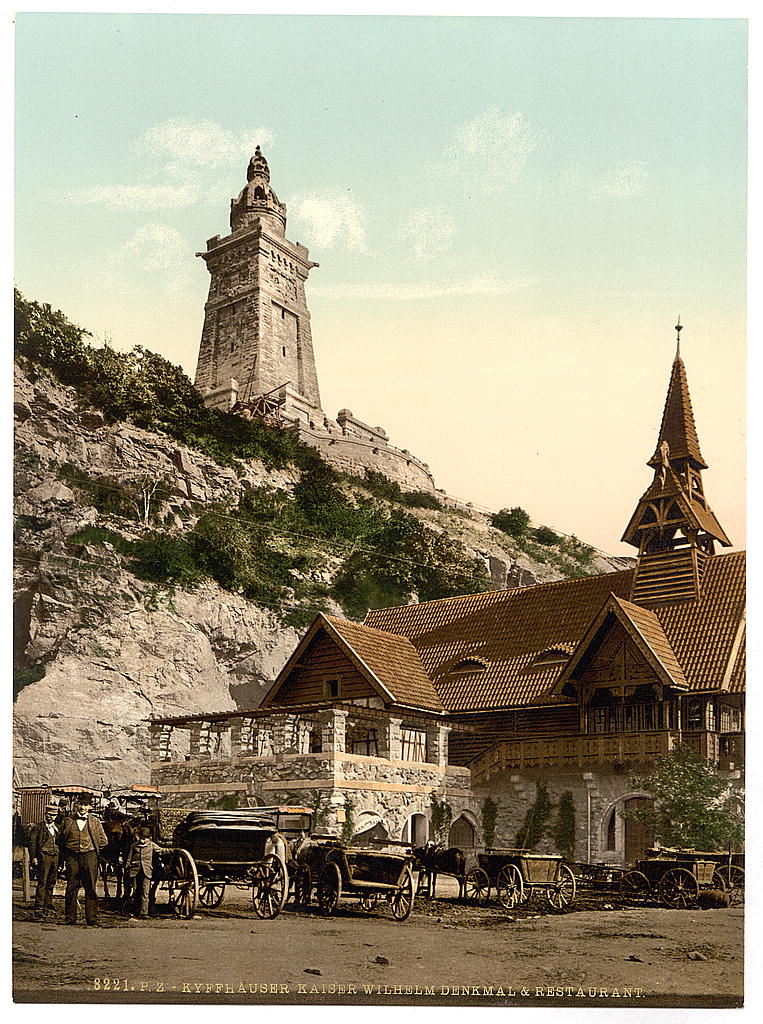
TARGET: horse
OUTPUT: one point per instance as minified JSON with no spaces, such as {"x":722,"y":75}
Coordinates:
{"x":433,"y":859}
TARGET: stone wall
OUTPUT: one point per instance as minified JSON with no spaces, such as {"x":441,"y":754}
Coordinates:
{"x":390,"y":788}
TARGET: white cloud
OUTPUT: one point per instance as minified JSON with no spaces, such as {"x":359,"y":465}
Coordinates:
{"x":332,"y":220}
{"x":430,"y":230}
{"x":200,"y":143}
{"x":480,"y":285}
{"x":158,"y":250}
{"x":137,"y":197}
{"x":494,"y":148}
{"x":627,"y":178}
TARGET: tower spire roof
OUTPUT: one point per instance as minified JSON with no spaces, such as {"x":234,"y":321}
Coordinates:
{"x":678,"y":429}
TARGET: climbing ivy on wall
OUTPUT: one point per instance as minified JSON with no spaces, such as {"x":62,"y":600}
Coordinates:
{"x":536,"y":820}
{"x":564,"y":826}
{"x":442,"y":816}
{"x":489,"y":817}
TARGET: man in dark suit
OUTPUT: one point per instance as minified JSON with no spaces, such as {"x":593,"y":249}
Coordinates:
{"x":45,"y":854}
{"x":81,"y":839}
{"x":140,"y":868}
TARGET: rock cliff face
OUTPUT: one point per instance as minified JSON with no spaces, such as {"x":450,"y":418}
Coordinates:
{"x":114,"y":649}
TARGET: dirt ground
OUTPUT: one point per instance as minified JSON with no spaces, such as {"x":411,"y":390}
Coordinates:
{"x":600,"y":952}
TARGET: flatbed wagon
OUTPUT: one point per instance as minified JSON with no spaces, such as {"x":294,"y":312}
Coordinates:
{"x":673,"y":881}
{"x":368,"y":876}
{"x":517,"y":875}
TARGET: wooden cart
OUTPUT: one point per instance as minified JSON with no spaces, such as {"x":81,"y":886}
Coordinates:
{"x":368,"y":876}
{"x":231,"y":848}
{"x":517,"y":875}
{"x":674,"y":880}
{"x":174,"y":873}
{"x":729,"y":868}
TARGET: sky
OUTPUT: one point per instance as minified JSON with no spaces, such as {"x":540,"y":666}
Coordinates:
{"x":509,"y":215}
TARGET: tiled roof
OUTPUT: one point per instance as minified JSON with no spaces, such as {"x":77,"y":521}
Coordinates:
{"x":509,"y":629}
{"x":678,"y":427}
{"x":393,"y":660}
{"x":702,"y":633}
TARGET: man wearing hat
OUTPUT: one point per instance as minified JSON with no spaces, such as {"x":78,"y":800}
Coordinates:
{"x":43,"y":849}
{"x":140,"y":868}
{"x":82,"y":838}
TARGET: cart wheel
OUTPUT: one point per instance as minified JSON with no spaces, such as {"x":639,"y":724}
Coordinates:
{"x":634,"y":885}
{"x":270,"y":887}
{"x":329,"y":889}
{"x":182,"y":883}
{"x":509,"y":886}
{"x":678,"y":888}
{"x":211,"y":894}
{"x":303,"y":885}
{"x":564,"y":891}
{"x":401,"y":900}
{"x":731,"y":879}
{"x":478,"y":886}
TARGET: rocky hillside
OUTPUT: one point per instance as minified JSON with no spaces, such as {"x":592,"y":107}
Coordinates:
{"x":152,"y":580}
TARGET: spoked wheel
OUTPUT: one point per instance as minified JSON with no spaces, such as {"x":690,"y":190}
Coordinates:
{"x":478,"y":886}
{"x":678,"y":888}
{"x":270,"y":887}
{"x":634,"y":885}
{"x":730,"y":878}
{"x":563,"y":893}
{"x":303,"y":885}
{"x":329,"y":889}
{"x":182,"y":883}
{"x":509,"y":886}
{"x":401,"y":900}
{"x":211,"y":894}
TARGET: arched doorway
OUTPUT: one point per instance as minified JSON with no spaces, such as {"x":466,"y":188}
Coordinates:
{"x":638,"y":833}
{"x":462,"y":834}
{"x":416,"y":830}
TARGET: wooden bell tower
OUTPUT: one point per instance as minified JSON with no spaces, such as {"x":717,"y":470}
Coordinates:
{"x":673,"y":527}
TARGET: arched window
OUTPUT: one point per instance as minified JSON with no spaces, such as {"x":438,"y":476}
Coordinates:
{"x":612,"y":830}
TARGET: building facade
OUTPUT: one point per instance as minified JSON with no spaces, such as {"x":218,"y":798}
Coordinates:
{"x":569,"y":688}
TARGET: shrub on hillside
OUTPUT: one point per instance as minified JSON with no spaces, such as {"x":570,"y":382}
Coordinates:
{"x":513,"y":521}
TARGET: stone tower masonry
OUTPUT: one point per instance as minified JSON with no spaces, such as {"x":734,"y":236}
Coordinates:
{"x":256,"y":335}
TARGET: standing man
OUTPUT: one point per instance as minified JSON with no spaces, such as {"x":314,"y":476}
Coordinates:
{"x":140,"y":868}
{"x":82,"y":837}
{"x":43,"y":848}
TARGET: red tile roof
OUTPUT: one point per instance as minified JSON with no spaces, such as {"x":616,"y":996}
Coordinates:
{"x":393,"y":660}
{"x":511,"y":629}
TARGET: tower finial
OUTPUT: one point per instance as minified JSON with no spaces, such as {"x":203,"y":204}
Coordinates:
{"x":678,"y":329}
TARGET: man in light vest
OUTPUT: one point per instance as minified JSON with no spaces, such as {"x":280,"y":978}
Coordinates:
{"x":82,"y":838}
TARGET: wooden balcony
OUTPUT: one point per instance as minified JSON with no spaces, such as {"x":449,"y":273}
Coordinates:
{"x":586,"y":749}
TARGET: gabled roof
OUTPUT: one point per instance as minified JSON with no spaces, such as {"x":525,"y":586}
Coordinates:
{"x":678,"y":427}
{"x":697,"y":516}
{"x":644,"y":628}
{"x":509,"y":629}
{"x":388,"y":661}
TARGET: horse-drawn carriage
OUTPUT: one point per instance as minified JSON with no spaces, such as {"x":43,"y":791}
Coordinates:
{"x":675,"y":877}
{"x":243,"y":849}
{"x":516,"y":875}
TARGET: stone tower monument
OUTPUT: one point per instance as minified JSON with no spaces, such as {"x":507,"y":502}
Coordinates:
{"x":256,"y":336}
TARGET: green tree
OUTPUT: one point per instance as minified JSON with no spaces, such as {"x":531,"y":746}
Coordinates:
{"x":513,"y":521}
{"x":489,"y":818}
{"x":564,"y":826}
{"x":543,"y":535}
{"x":693,"y":806}
{"x":536,"y":819}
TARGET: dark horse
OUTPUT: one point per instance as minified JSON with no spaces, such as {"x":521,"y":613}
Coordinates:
{"x":431,"y":860}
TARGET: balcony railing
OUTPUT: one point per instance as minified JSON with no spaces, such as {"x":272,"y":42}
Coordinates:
{"x":579,"y":750}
